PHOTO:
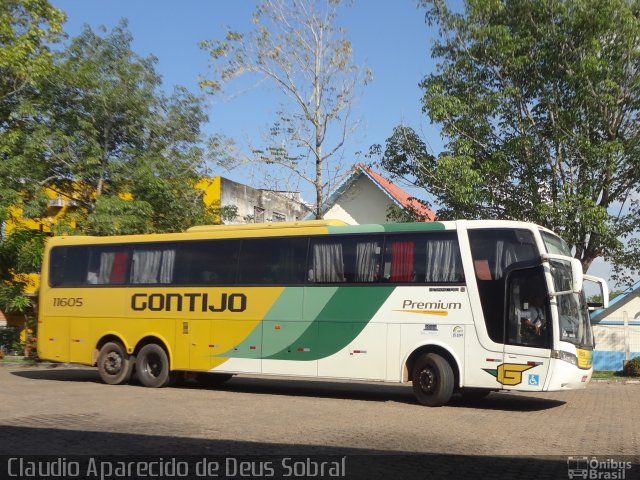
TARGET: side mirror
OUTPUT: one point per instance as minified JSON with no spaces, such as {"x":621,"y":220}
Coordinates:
{"x":577,"y":275}
{"x":604,"y":288}
{"x":576,"y":271}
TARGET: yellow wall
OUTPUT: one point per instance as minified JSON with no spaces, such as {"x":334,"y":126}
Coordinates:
{"x":54,"y":215}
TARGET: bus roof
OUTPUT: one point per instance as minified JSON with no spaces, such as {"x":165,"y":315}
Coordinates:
{"x":270,"y":225}
{"x":275,"y":229}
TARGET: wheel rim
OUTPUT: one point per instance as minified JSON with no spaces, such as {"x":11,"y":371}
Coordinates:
{"x":153,"y":365}
{"x":428,"y":380}
{"x":113,"y":363}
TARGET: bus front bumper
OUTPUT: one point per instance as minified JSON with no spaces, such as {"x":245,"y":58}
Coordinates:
{"x":567,"y":376}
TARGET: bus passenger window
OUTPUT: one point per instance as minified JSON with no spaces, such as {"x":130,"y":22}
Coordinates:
{"x":68,"y":266}
{"x":207,"y":262}
{"x":430,"y":258}
{"x":108,"y":266}
{"x":152,"y":264}
{"x":327,"y":262}
{"x":272,"y":261}
{"x":346,"y":259}
{"x":402,"y":262}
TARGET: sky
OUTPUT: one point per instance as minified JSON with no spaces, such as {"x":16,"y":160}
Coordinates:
{"x":390,"y":37}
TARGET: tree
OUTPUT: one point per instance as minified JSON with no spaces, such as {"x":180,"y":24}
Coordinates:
{"x":20,"y":256}
{"x":98,"y":130}
{"x":27,"y":29}
{"x":111,"y":140}
{"x":298,"y":48}
{"x":539,"y":102}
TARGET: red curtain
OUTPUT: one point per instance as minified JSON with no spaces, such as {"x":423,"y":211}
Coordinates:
{"x":119,"y":270}
{"x":401,"y":262}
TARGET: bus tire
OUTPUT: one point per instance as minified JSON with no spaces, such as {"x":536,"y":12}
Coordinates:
{"x":115,"y":366}
{"x":152,"y":366}
{"x":433,"y":380}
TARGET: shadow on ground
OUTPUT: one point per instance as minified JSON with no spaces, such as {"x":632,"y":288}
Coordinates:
{"x":376,"y":392}
{"x":81,"y":446}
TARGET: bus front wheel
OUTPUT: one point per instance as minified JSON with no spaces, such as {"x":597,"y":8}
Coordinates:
{"x":152,"y":366}
{"x":114,"y":364}
{"x":433,"y":380}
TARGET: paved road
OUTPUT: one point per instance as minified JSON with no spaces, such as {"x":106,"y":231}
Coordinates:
{"x":67,"y":411}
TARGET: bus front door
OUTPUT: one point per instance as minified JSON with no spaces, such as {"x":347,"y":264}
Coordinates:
{"x":527,"y":331}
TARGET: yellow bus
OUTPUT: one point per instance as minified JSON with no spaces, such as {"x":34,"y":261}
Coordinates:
{"x":463,"y":306}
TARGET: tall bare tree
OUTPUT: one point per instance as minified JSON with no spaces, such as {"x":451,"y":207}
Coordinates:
{"x":297,"y":46}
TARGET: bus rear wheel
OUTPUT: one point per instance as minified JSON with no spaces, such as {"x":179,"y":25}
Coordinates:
{"x":433,"y":380}
{"x":115,"y":366}
{"x":152,"y":366}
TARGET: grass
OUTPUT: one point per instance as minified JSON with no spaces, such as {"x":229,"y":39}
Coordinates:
{"x":611,"y":375}
{"x":16,"y":359}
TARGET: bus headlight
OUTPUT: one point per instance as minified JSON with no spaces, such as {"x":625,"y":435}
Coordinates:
{"x":566,"y":356}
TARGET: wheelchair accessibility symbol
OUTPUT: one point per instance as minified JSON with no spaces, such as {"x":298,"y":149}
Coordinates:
{"x":534,"y":380}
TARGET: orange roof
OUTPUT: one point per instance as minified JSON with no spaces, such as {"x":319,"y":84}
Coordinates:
{"x":398,"y":194}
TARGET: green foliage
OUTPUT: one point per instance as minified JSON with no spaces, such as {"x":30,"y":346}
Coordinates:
{"x":538,"y":101}
{"x":106,"y":129}
{"x":27,"y":30}
{"x":12,"y":300}
{"x":21,"y":252}
{"x":91,"y":123}
{"x":632,"y":367}
{"x":114,"y":216}
{"x":9,"y":339}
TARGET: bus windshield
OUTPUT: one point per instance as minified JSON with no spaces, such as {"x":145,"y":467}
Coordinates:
{"x":555,"y":244}
{"x":575,"y":325}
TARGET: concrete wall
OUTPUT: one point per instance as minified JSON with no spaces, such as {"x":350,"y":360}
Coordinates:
{"x":363,"y":202}
{"x":613,"y":340}
{"x":246,"y":198}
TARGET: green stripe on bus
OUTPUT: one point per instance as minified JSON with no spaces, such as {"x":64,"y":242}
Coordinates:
{"x":303,"y":345}
{"x":388,"y":228}
{"x":413,"y":227}
{"x":339,"y":322}
{"x":357,"y":229}
{"x":284,"y":322}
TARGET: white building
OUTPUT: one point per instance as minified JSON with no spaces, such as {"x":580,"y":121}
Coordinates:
{"x":365,"y":196}
{"x":617,"y":331}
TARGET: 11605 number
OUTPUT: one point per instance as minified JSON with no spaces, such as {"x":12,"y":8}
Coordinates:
{"x":67,"y":302}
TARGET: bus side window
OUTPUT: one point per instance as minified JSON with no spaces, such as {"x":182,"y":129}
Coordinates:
{"x":68,"y":266}
{"x":207,"y":262}
{"x":493,"y":251}
{"x":326,"y":261}
{"x":402,"y":264}
{"x":428,"y":258}
{"x":362,"y":259}
{"x":345,"y":259}
{"x":273,"y":261}
{"x":108,"y":265}
{"x":153,"y":264}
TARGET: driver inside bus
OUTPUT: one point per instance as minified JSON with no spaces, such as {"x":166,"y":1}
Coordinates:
{"x":532,"y":318}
